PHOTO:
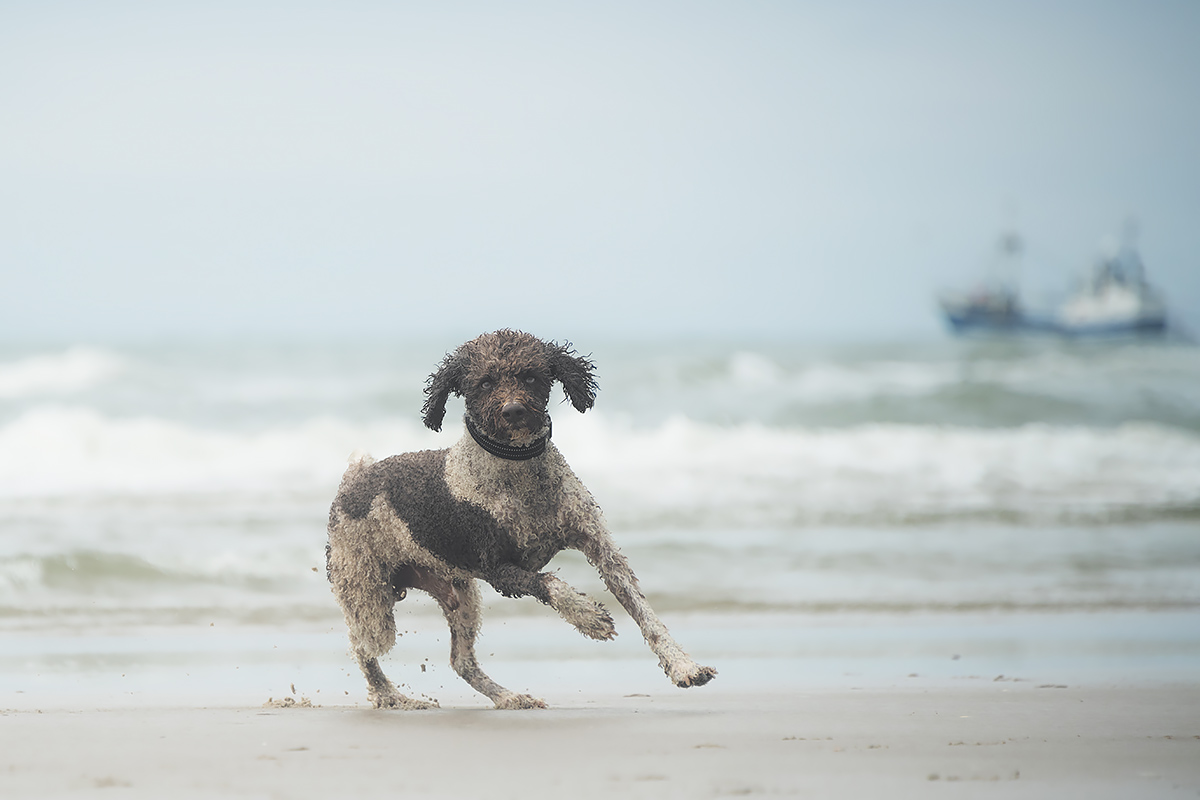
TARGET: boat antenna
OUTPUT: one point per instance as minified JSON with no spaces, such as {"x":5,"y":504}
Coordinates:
{"x":1130,"y":261}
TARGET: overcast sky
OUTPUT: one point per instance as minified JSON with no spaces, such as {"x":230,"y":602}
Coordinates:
{"x":791,"y":169}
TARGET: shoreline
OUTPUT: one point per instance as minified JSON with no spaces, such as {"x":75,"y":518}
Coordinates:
{"x":243,"y":666}
{"x":1017,"y":739}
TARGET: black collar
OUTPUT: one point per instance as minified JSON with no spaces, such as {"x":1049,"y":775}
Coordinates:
{"x":508,"y":451}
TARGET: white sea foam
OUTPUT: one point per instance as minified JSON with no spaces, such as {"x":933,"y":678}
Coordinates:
{"x":694,"y":473}
{"x":750,"y":369}
{"x":1098,"y":385}
{"x":63,"y":451}
{"x":58,"y":373}
{"x":822,"y":381}
{"x":678,"y":472}
{"x":827,"y":382}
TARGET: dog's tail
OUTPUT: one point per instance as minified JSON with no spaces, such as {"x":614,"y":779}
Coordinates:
{"x":359,"y":460}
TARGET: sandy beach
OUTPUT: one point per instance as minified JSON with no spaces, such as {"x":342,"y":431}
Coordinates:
{"x":995,"y":740}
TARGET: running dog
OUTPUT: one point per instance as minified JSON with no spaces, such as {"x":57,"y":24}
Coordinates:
{"x":497,"y":506}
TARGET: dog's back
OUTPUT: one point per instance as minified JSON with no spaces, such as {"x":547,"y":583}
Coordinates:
{"x":413,"y":490}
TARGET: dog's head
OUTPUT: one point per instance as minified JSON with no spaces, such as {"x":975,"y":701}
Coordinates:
{"x":505,"y":378}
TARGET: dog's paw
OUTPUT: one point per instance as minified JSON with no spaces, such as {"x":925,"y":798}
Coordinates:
{"x":588,"y":616}
{"x":402,"y":702}
{"x":593,"y":620}
{"x":512,"y":701}
{"x":691,"y":674}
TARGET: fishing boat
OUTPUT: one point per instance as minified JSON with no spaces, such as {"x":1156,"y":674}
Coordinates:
{"x":994,"y":306}
{"x":986,"y":309}
{"x":1115,"y":300}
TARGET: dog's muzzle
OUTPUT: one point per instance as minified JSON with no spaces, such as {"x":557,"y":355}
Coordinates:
{"x":515,"y":414}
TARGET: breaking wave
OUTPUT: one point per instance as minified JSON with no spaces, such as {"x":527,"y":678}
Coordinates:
{"x":679,"y":472}
{"x":70,"y":371}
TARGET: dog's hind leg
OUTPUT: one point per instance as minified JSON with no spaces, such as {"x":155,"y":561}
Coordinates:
{"x":367,"y":603}
{"x":381,"y":692}
{"x":372,"y":633}
{"x":464,"y":620}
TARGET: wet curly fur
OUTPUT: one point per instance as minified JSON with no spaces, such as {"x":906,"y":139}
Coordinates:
{"x":438,"y":520}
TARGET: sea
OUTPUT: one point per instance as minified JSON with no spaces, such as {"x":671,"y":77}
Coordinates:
{"x":802,"y":516}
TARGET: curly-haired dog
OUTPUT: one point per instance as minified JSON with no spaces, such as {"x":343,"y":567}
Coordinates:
{"x":496,"y":506}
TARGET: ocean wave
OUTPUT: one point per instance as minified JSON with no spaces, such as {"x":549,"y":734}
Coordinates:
{"x":679,"y":472}
{"x":72,"y":370}
{"x":941,"y":569}
{"x":90,"y":570}
{"x":251,"y":386}
{"x":56,"y":451}
{"x":849,"y":374}
{"x":1000,"y":386}
{"x":822,"y":381}
{"x":78,"y":570}
{"x":689,"y":473}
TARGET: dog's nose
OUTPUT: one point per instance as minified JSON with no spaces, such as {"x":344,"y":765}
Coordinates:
{"x":513,"y":412}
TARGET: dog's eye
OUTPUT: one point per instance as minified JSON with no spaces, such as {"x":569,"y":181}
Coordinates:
{"x":529,"y":379}
{"x":485,"y":384}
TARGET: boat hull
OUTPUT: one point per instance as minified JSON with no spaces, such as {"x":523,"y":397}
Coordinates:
{"x":969,"y":324}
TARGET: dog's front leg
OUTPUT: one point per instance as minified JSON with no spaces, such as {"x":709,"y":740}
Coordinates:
{"x":589,"y":617}
{"x":614,"y":569}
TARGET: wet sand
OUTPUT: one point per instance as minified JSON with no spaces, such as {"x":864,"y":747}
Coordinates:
{"x":994,"y":739}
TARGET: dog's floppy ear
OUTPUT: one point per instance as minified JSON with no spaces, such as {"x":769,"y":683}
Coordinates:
{"x":575,"y":373}
{"x":447,"y":379}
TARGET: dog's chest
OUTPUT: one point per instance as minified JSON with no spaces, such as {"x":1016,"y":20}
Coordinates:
{"x":524,"y":498}
{"x":524,"y":504}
